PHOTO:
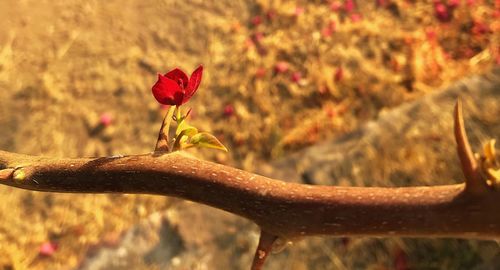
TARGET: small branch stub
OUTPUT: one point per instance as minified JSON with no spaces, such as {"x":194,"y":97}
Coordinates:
{"x":264,"y":247}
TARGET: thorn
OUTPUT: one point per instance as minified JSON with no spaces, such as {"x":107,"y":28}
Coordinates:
{"x":162,"y":143}
{"x":264,"y":247}
{"x":473,"y":180}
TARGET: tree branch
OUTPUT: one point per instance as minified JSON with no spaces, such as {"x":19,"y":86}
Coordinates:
{"x":282,"y":210}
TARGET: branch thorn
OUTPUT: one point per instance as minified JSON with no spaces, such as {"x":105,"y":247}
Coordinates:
{"x":264,"y":247}
{"x":163,"y":144}
{"x":474,"y":182}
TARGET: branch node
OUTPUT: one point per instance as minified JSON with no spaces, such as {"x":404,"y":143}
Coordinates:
{"x":264,"y":247}
{"x":474,"y":182}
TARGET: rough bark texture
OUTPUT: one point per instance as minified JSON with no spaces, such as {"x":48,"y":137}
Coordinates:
{"x":284,"y":209}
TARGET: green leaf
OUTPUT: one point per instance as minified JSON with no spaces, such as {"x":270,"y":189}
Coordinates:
{"x":204,"y":139}
{"x":188,"y":129}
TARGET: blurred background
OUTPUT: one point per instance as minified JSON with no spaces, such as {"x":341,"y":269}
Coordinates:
{"x":321,"y":92}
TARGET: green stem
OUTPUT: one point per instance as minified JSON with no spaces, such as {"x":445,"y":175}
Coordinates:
{"x":177,"y":144}
{"x":178,"y":116}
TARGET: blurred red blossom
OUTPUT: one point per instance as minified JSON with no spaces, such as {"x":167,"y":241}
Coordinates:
{"x":430,"y":34}
{"x":296,"y":76}
{"x":356,"y":17}
{"x":106,"y":119}
{"x":174,"y":88}
{"x":381,"y":3}
{"x":326,"y":32}
{"x":453,"y":3}
{"x":349,"y":5}
{"x":229,"y":110}
{"x":256,"y":20}
{"x":258,"y":37}
{"x":260,"y":72}
{"x":339,"y":74}
{"x":248,"y":44}
{"x":480,"y":28}
{"x":299,"y":11}
{"x":335,"y":6}
{"x":330,"y":112}
{"x":329,"y":29}
{"x":47,"y":249}
{"x":442,"y":12}
{"x":496,"y":13}
{"x":271,"y":14}
{"x":281,"y":67}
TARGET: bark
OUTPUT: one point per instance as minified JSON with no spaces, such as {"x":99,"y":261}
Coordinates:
{"x":283,"y":209}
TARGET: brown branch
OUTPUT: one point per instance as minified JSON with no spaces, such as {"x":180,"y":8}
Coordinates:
{"x":282,"y":210}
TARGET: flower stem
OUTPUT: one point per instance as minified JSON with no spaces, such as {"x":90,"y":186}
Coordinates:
{"x":178,"y":115}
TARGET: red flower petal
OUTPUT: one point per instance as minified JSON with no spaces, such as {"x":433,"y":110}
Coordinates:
{"x":194,"y":83}
{"x":179,"y":98}
{"x":178,"y":76}
{"x":167,"y":91}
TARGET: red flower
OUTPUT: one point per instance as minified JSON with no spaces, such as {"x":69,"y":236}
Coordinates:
{"x":174,"y":88}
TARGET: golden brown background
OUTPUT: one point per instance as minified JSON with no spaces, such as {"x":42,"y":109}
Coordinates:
{"x":63,"y":64}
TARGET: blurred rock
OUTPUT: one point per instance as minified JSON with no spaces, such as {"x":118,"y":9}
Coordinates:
{"x":412,"y":144}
